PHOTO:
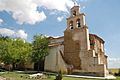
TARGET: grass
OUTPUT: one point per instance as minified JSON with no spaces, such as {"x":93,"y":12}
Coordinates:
{"x":15,"y":76}
{"x":118,"y":77}
{"x":23,"y":76}
{"x":115,"y":70}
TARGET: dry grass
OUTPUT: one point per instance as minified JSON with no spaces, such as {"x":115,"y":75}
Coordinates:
{"x":22,"y":76}
{"x":114,"y":70}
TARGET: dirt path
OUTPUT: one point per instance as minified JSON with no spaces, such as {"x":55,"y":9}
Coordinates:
{"x":1,"y":78}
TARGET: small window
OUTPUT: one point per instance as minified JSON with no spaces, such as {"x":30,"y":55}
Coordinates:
{"x":71,"y":25}
{"x":74,"y":13}
{"x":78,"y":23}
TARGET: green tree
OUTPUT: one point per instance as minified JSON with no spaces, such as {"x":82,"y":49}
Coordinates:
{"x":39,"y":49}
{"x":4,"y":49}
{"x":14,"y":51}
{"x":25,"y":53}
{"x":20,"y":52}
{"x":5,"y":44}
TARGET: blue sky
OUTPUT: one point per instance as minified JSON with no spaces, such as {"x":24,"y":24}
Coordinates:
{"x":25,"y":18}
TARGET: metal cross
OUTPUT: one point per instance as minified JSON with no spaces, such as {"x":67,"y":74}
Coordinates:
{"x":75,"y":2}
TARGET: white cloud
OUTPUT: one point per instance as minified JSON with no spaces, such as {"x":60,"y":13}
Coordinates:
{"x":61,"y":5}
{"x":83,"y":7}
{"x":114,"y":59}
{"x":55,"y":12}
{"x":114,"y":62}
{"x":25,"y":11}
{"x":12,"y":33}
{"x":6,"y":32}
{"x":60,"y":18}
{"x":21,"y":34}
{"x":83,"y":0}
{"x":1,"y":21}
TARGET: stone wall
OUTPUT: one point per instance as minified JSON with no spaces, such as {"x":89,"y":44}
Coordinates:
{"x":90,"y":64}
{"x":71,"y":50}
{"x":75,"y":41}
{"x":54,"y":61}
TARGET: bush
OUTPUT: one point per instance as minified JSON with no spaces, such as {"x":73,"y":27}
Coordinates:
{"x":2,"y":70}
{"x":117,"y":74}
{"x":59,"y":75}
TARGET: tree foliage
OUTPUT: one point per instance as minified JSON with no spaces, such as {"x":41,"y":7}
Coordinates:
{"x":17,"y":51}
{"x":39,"y":48}
{"x":14,"y":51}
{"x":5,"y":44}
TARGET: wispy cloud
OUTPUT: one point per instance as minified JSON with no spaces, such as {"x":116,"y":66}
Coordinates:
{"x":60,"y":18}
{"x":60,"y":5}
{"x":6,"y":32}
{"x":114,"y":62}
{"x":12,"y":33}
{"x":25,"y":11}
{"x":1,"y":21}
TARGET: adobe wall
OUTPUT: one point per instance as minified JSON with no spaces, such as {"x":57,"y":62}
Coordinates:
{"x":74,"y":41}
{"x":89,"y":64}
{"x":54,"y":61}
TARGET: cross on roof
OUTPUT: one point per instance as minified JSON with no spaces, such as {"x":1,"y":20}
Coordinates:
{"x":75,"y":2}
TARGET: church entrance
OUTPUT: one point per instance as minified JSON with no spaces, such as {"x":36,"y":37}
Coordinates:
{"x":39,"y":66}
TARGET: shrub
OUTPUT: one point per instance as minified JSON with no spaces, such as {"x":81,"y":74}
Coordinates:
{"x":59,"y":75}
{"x":117,"y":74}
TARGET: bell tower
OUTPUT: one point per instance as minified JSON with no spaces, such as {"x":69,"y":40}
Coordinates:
{"x":76,"y":19}
{"x":76,"y":37}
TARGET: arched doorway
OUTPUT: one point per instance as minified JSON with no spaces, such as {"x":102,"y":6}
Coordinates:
{"x":39,"y":66}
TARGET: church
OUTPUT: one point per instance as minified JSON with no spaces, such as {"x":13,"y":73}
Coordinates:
{"x":78,"y":50}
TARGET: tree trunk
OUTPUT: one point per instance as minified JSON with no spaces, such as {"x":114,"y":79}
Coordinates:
{"x":38,"y":66}
{"x":13,"y":66}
